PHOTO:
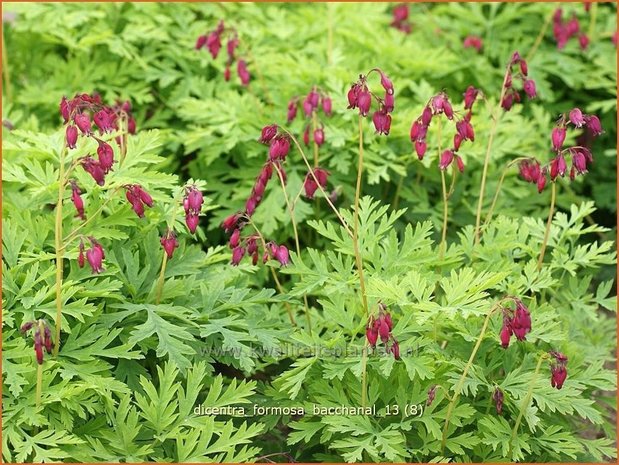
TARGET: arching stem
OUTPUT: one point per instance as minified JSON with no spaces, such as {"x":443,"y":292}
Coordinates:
{"x":59,"y":249}
{"x":553,"y":195}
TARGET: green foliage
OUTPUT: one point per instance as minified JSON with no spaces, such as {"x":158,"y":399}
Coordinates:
{"x":136,"y":359}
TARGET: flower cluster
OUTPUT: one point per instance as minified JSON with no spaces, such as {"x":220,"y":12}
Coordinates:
{"x":381,"y":327}
{"x":138,"y":197}
{"x":472,"y":41}
{"x":532,"y":171}
{"x":516,"y":322}
{"x":77,"y":114}
{"x":312,"y":102}
{"x":400,"y":19}
{"x":440,"y":105}
{"x":192,"y":203}
{"x":558,"y":369}
{"x":564,"y":30}
{"x":279,"y":146}
{"x":94,"y":255}
{"x":212,"y":41}
{"x":42,"y":337}
{"x":511,"y":95}
{"x":360,"y":96}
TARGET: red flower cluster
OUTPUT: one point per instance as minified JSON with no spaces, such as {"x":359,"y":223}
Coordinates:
{"x":400,"y":19}
{"x":516,"y":322}
{"x":563,"y":30}
{"x":77,"y":114}
{"x":310,"y":185}
{"x":532,"y":171}
{"x":512,"y":95}
{"x":279,"y":146}
{"x":138,"y":197}
{"x":314,"y":100}
{"x":473,"y":42}
{"x":381,"y":327}
{"x":42,"y":337}
{"x":437,"y":105}
{"x":212,"y":41}
{"x":94,"y":255}
{"x":359,"y":96}
{"x":557,"y":369}
{"x":192,"y":203}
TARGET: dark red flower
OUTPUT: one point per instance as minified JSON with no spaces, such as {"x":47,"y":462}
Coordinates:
{"x":242,"y":71}
{"x":268,"y":133}
{"x":71,"y":135}
{"x":169,"y":243}
{"x":95,"y":256}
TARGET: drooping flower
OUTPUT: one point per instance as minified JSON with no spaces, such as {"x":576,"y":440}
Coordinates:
{"x":268,"y":133}
{"x":473,"y":41}
{"x":382,"y":121}
{"x":82,"y":121}
{"x":71,"y":136}
{"x":93,"y":167}
{"x":558,"y":137}
{"x":105,"y":154}
{"x":237,"y":255}
{"x":558,"y":369}
{"x":169,"y":243}
{"x":498,"y":400}
{"x":243,"y":72}
{"x":77,"y":200}
{"x":576,"y":117}
{"x":95,"y":256}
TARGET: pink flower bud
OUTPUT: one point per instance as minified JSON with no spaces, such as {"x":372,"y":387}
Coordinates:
{"x":307,"y":107}
{"x":382,"y":121}
{"x":38,"y":346}
{"x":594,"y":125}
{"x":95,"y":256}
{"x":558,"y":137}
{"x":92,"y":167}
{"x":506,"y":334}
{"x":473,"y":42}
{"x":105,"y":153}
{"x":292,"y":110}
{"x":282,"y":255}
{"x":457,"y":141}
{"x":306,"y":136}
{"x":446,"y":159}
{"x":82,"y":121}
{"x":387,"y":319}
{"x":319,"y":136}
{"x":213,"y":43}
{"x":469,"y":97}
{"x":200,"y":42}
{"x":400,"y":13}
{"x":558,"y":167}
{"x":252,"y":245}
{"x":71,"y":135}
{"x":541,"y":181}
{"x":143,"y":195}
{"x":268,"y":133}
{"x":420,"y":148}
{"x":227,"y":73}
{"x":426,"y":116}
{"x":449,"y":113}
{"x":389,"y":103}
{"x":459,"y":163}
{"x":386,"y":83}
{"x":231,"y":46}
{"x":279,"y":148}
{"x":131,"y":125}
{"x":395,"y":350}
{"x":169,"y":243}
{"x":237,"y":255}
{"x":65,"y":111}
{"x":579,"y":161}
{"x":235,"y":239}
{"x":498,"y":400}
{"x":250,"y":206}
{"x":383,"y":330}
{"x":508,"y":101}
{"x":230,"y":222}
{"x":192,"y":221}
{"x":576,"y":117}
{"x":103,"y":121}
{"x":364,"y":102}
{"x":415,"y":130}
{"x":326,"y":105}
{"x":372,"y":335}
{"x":353,"y":96}
{"x":524,"y":69}
{"x":195,"y":199}
{"x":529,"y":88}
{"x":559,"y":375}
{"x":437,"y":103}
{"x":77,"y":200}
{"x":241,"y":69}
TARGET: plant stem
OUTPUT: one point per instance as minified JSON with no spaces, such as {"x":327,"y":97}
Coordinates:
{"x":296,"y":240}
{"x":275,"y":278}
{"x":358,"y":259}
{"x":553,"y":195}
{"x":73,"y":234}
{"x":311,"y":171}
{"x":468,"y":365}
{"x":540,"y":36}
{"x":592,"y":20}
{"x":59,"y":249}
{"x":498,"y":190}
{"x":161,"y":279}
{"x":445,"y":213}
{"x":525,"y":403}
{"x":495,"y":120}
{"x":39,"y":385}
{"x":6,"y":71}
{"x":314,"y":126}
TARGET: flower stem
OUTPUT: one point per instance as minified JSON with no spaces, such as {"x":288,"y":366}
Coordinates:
{"x":311,"y":171}
{"x":495,"y":120}
{"x":161,"y":279}
{"x":358,"y":259}
{"x":540,"y":36}
{"x":314,"y":126}
{"x":445,"y":213}
{"x":498,"y":190}
{"x":296,"y":241}
{"x":39,"y":384}
{"x":553,"y":195}
{"x":275,"y":278}
{"x":467,"y":367}
{"x":525,"y":403}
{"x":592,"y":20}
{"x":59,"y":249}
{"x":6,"y":71}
